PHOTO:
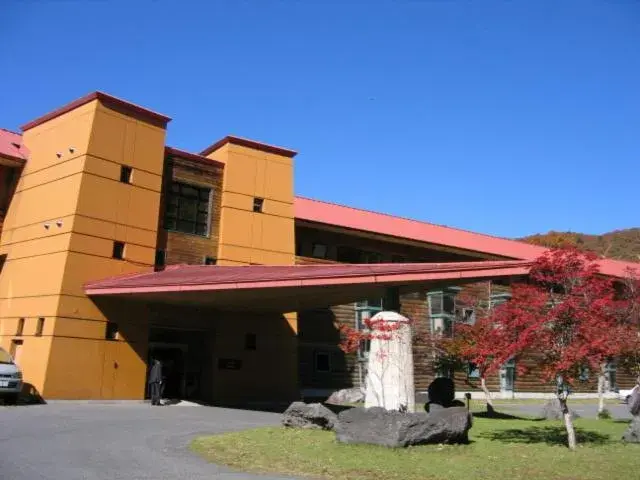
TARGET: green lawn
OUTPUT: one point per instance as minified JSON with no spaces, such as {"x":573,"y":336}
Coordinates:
{"x":514,"y":449}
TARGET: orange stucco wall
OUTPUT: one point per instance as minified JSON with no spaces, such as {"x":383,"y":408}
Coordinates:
{"x":264,"y":238}
{"x":68,"y":209}
{"x":247,"y":237}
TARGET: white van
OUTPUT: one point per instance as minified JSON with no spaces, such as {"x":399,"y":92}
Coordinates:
{"x":10,"y":379}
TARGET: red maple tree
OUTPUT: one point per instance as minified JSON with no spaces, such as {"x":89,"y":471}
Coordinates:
{"x":567,"y":317}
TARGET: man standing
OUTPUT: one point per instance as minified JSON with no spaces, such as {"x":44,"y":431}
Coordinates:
{"x":155,"y":382}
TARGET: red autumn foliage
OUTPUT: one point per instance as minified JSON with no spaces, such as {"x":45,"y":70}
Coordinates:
{"x":568,"y":317}
{"x":351,"y":338}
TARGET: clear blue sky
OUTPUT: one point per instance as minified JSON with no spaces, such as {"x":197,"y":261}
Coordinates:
{"x":505,"y":118}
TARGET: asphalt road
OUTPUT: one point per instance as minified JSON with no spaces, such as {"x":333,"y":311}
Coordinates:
{"x":71,"y":441}
{"x":116,"y":441}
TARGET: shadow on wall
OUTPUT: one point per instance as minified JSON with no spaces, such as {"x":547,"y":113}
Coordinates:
{"x":125,"y":355}
{"x":321,"y":362}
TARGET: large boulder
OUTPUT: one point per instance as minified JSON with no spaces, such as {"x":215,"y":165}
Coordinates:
{"x":632,"y":434}
{"x":347,"y":396}
{"x":313,"y":415}
{"x":391,"y":428}
{"x":552,"y":411}
{"x":634,"y":402}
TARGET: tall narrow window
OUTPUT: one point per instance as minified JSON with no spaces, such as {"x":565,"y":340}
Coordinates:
{"x":118,"y":250}
{"x":258,"y":203}
{"x":20,"y":329}
{"x":187,"y":209}
{"x":125,"y":174}
{"x":40,"y":327}
{"x":111,"y":332}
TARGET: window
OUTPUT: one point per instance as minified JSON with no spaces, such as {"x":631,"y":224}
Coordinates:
{"x":442,"y":310}
{"x":473,"y":371}
{"x":40,"y":327}
{"x":610,"y":375}
{"x":467,"y":315}
{"x":322,"y":362}
{"x":15,"y":348}
{"x":364,"y":348}
{"x":319,"y":250}
{"x":187,"y":209}
{"x":498,"y":299}
{"x":118,"y":250}
{"x":584,"y":374}
{"x":111,"y":332}
{"x":210,"y":260}
{"x":161,"y":258}
{"x":391,"y":299}
{"x":371,"y":257}
{"x":258,"y":203}
{"x":20,"y":328}
{"x":366,"y":309}
{"x":441,"y":303}
{"x":250,"y":341}
{"x":347,"y":254}
{"x":125,"y":174}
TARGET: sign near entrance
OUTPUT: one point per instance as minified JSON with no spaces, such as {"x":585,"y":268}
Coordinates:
{"x":229,"y":364}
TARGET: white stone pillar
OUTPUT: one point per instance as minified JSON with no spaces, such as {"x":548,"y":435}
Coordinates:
{"x":389,"y":381}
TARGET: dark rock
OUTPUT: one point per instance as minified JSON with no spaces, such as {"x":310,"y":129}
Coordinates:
{"x":348,"y":395}
{"x":634,"y":402}
{"x":389,"y":428}
{"x":313,"y":415}
{"x":552,"y":411}
{"x":632,"y":434}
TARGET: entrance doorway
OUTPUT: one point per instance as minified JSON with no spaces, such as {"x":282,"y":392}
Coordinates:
{"x":184,"y":356}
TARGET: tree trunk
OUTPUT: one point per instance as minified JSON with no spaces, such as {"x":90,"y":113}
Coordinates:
{"x":487,"y":395}
{"x":601,"y":382}
{"x":568,"y":423}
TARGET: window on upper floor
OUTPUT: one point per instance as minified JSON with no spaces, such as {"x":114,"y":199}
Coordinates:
{"x":188,"y":209}
{"x":319,"y":250}
{"x":348,"y":254}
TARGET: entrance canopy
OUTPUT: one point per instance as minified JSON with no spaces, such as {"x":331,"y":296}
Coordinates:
{"x":294,"y":287}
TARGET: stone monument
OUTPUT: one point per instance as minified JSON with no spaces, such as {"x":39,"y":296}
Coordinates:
{"x":389,"y":380}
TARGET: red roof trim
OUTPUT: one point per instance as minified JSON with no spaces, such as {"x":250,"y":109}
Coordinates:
{"x":192,"y":156}
{"x":364,"y":220}
{"x":114,"y":103}
{"x":245,"y":142}
{"x":11,"y":147}
{"x":199,"y":278}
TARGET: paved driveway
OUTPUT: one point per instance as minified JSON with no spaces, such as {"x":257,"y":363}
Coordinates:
{"x":116,"y":441}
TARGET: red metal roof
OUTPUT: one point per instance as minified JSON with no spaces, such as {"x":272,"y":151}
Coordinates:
{"x":245,"y":142}
{"x":11,"y":146}
{"x":209,"y":277}
{"x":110,"y":101}
{"x":380,"y":223}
